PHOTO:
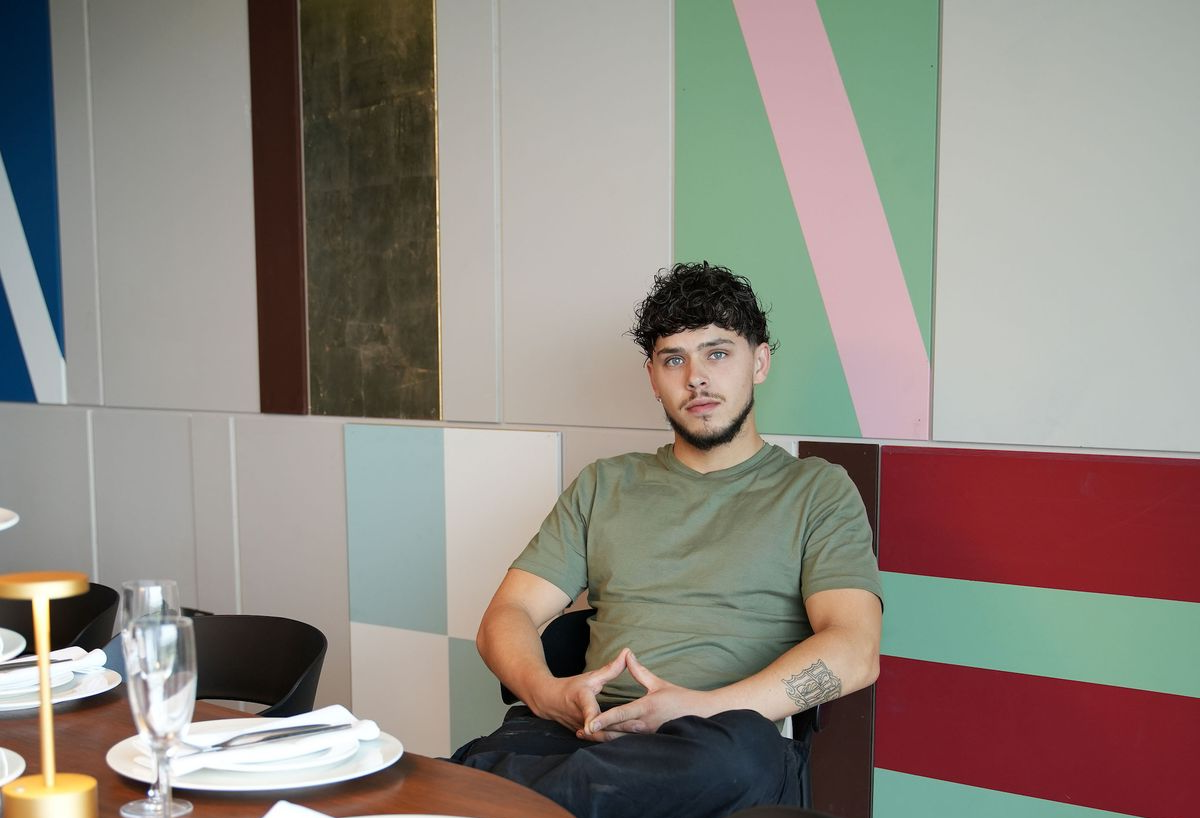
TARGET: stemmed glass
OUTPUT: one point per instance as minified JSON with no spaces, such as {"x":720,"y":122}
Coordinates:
{"x":160,"y":667}
{"x":147,"y":597}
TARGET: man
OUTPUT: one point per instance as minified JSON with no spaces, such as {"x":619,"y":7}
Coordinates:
{"x":734,"y":586}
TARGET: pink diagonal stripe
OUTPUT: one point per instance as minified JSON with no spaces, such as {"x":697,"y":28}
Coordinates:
{"x":844,"y":225}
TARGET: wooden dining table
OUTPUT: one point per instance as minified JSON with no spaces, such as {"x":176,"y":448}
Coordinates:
{"x":85,"y":730}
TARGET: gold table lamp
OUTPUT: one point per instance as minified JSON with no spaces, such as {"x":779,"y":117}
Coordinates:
{"x":51,"y":794}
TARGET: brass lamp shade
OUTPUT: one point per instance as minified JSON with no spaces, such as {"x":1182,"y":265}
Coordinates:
{"x":69,"y":795}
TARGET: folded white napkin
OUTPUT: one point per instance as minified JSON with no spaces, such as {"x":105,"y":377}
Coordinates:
{"x":183,"y":761}
{"x":79,"y":661}
{"x":286,"y":809}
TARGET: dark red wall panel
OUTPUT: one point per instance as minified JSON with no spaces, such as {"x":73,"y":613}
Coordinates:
{"x":1116,"y":525}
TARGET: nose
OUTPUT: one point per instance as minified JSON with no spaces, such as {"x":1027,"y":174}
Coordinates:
{"x":697,"y":377}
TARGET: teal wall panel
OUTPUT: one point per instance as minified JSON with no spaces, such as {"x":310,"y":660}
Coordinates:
{"x":396,"y":527}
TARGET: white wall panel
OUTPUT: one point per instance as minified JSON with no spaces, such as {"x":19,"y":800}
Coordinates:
{"x":585,"y":140}
{"x":45,"y":476}
{"x":1069,"y":191}
{"x":76,"y":203}
{"x":499,"y":487}
{"x":217,"y":580}
{"x":291,"y":500}
{"x":467,"y":223}
{"x":145,"y":527}
{"x":402,"y":681}
{"x":171,"y":119}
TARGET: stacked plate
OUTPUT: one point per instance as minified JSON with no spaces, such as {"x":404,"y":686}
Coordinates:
{"x":77,"y":675}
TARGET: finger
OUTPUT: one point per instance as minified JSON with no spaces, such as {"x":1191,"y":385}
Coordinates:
{"x":616,"y":715}
{"x":612,"y":670}
{"x":642,"y":674}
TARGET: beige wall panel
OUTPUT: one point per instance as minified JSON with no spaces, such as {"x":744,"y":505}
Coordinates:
{"x":145,"y":527}
{"x":76,"y":204}
{"x":291,"y":511}
{"x":217,"y":578}
{"x":45,"y":476}
{"x":467,"y":210}
{"x":583,"y":446}
{"x":1068,"y":195}
{"x":171,"y":97}
{"x":402,"y":681}
{"x":585,"y":136}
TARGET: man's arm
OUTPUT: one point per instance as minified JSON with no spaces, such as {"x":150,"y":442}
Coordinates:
{"x":509,"y":643}
{"x":841,"y":656}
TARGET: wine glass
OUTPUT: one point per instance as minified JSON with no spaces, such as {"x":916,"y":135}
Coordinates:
{"x":143,"y":597}
{"x":160,"y":667}
{"x":147,"y":597}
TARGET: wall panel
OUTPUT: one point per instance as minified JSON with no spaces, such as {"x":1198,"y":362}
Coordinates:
{"x":174,"y":204}
{"x":145,"y":513}
{"x":1068,"y":195}
{"x":217,"y":578}
{"x":468,"y":220}
{"x":45,"y":476}
{"x":291,"y":499}
{"x":1043,"y":584}
{"x":585,"y":147}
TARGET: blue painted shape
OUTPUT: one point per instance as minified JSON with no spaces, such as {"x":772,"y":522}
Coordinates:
{"x":396,"y":526}
{"x":15,"y":384}
{"x":27,"y":138}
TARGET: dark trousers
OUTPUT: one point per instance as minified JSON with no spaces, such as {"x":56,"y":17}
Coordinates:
{"x":691,"y":768}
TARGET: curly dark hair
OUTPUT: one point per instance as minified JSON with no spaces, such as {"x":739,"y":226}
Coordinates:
{"x":690,"y":296}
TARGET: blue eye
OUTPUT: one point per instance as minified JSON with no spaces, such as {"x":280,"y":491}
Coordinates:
{"x":674,"y":360}
{"x":718,"y":354}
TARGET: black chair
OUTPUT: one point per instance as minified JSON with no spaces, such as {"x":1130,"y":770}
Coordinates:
{"x":84,"y":621}
{"x":267,"y":660}
{"x":565,"y":641}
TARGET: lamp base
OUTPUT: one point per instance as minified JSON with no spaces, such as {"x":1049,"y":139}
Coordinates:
{"x":72,"y":796}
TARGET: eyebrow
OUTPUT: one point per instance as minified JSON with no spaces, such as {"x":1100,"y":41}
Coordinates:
{"x":716,"y":342}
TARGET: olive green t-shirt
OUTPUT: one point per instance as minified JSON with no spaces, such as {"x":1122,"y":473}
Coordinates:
{"x":704,"y":576}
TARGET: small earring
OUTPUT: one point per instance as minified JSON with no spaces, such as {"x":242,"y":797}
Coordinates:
{"x":658,"y":398}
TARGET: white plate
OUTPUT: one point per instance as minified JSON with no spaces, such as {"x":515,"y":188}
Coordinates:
{"x":59,"y":676}
{"x":371,"y":757}
{"x":86,"y":684}
{"x":11,"y":644}
{"x":8,"y":518}
{"x":11,"y":766}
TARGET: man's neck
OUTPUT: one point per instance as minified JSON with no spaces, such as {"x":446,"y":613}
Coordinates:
{"x":740,"y":449}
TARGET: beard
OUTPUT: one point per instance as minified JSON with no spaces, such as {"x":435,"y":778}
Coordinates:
{"x":707,"y":441}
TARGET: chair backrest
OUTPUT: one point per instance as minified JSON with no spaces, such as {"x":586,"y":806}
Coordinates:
{"x":268,"y":660}
{"x":84,"y":621}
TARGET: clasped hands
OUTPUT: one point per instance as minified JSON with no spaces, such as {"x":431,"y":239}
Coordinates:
{"x":571,"y":701}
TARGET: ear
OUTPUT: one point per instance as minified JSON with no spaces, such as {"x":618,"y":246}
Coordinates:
{"x":762,"y":362}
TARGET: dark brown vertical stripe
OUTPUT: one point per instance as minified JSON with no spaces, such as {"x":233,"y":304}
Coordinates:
{"x":278,"y":206}
{"x":843,"y":751}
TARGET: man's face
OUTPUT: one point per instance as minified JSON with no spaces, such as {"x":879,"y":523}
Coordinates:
{"x":705,"y":378}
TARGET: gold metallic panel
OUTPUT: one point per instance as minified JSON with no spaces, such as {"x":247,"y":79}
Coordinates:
{"x":370,"y":173}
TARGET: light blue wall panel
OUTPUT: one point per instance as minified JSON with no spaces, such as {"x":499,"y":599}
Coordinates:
{"x":396,"y":526}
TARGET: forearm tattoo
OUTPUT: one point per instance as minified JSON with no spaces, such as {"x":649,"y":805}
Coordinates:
{"x":813,"y":685}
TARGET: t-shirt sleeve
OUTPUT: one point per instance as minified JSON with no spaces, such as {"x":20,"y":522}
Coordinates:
{"x":837,"y":539}
{"x":558,"y":552}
